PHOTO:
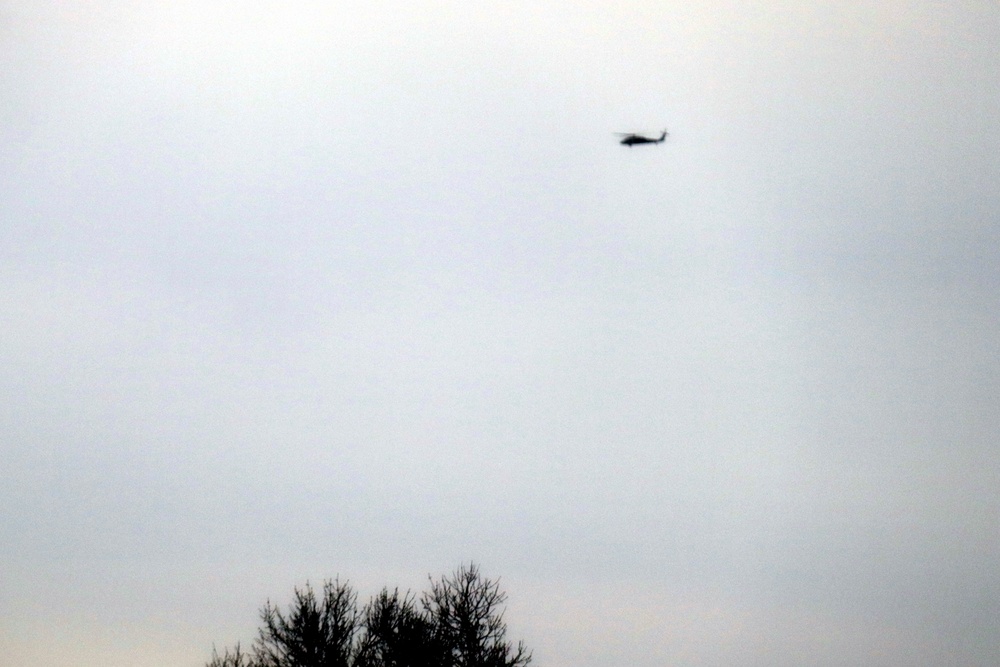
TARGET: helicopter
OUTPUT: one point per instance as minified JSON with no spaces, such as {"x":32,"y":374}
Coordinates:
{"x":630,"y":139}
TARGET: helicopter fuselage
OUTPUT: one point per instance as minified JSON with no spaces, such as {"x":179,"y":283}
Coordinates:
{"x":633,"y":139}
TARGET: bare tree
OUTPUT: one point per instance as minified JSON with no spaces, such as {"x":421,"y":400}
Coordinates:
{"x":396,"y":634}
{"x":234,"y":658}
{"x":458,"y":623}
{"x":466,"y":611}
{"x":314,"y":633}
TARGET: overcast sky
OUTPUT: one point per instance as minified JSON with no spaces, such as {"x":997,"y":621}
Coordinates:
{"x":292,"y":290}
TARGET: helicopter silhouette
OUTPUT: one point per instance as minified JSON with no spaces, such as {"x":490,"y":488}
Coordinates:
{"x":631,"y":139}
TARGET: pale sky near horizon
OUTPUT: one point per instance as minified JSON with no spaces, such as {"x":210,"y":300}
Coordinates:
{"x":293,"y":290}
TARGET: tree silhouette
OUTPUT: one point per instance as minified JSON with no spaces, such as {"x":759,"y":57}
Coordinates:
{"x":236,"y":658}
{"x":458,"y":623}
{"x":466,"y":611}
{"x":314,"y":633}
{"x":397,"y":634}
